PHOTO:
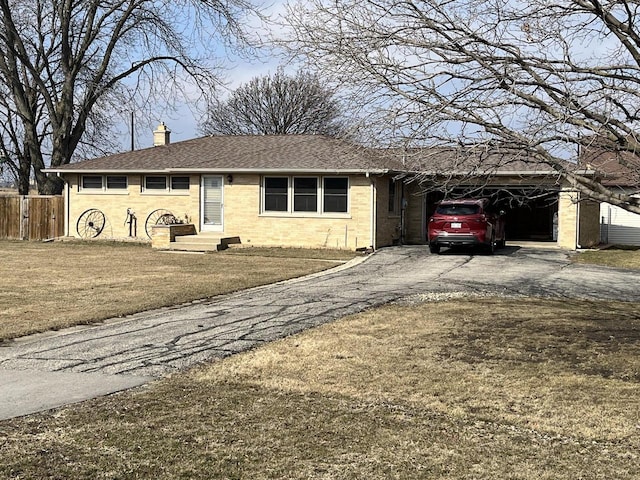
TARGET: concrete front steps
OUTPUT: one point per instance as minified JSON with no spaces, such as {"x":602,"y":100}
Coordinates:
{"x":203,"y":242}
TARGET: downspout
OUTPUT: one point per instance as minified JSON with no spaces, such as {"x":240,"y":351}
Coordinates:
{"x":423,"y":221}
{"x":403,"y":212}
{"x":67,"y":206}
{"x":373,"y":211}
{"x":578,"y":222}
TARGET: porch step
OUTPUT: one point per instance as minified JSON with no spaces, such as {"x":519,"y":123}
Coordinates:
{"x":203,"y":242}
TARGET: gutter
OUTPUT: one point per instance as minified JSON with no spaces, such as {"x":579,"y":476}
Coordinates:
{"x":96,"y":171}
{"x":578,"y":246}
{"x":499,"y":173}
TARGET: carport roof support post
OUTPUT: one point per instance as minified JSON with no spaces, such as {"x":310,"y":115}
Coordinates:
{"x":568,"y":219}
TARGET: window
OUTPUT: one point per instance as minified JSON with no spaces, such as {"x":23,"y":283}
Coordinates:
{"x":305,"y":194}
{"x":394,"y":197}
{"x":179,"y":183}
{"x":336,"y":193}
{"x":458,"y":209}
{"x":104,"y":183}
{"x":92,"y":181}
{"x":155,"y":183}
{"x":276,"y":194}
{"x":116,"y":182}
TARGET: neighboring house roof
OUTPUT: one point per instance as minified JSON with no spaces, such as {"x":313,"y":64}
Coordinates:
{"x":242,"y":153}
{"x":617,"y":169}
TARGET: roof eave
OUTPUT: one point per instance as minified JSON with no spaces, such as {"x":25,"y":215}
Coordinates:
{"x":502,"y":173}
{"x":339,"y":171}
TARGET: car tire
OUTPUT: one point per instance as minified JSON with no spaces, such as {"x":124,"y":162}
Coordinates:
{"x":501,"y":243}
{"x":491,"y":248}
{"x":434,"y":248}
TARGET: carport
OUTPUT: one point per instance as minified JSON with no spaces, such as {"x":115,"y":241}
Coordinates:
{"x":529,"y":212}
{"x":537,"y":206}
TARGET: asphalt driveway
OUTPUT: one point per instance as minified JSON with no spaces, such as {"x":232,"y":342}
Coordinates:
{"x":45,"y":371}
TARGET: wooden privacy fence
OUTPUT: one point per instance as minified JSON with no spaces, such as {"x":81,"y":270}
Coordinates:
{"x":31,"y":217}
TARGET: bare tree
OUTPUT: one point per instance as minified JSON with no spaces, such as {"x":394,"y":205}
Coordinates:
{"x":503,"y":79}
{"x":65,"y":63}
{"x":277,"y":105}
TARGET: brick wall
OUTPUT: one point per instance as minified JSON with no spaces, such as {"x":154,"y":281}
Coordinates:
{"x":241,"y":217}
{"x":567,"y":219}
{"x":415,"y":215}
{"x":114,"y":206}
{"x":569,"y":211}
{"x":388,"y":222}
{"x":589,"y":224}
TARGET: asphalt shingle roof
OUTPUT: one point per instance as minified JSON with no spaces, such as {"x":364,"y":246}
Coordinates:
{"x":303,"y":153}
{"x":616,"y":168}
{"x":242,"y":153}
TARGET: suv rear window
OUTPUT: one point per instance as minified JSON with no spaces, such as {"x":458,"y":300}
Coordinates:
{"x":458,"y":209}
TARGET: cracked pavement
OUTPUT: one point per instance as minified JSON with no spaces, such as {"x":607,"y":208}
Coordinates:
{"x":49,"y":370}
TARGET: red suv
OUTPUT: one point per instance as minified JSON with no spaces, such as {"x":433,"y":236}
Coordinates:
{"x":466,"y":222}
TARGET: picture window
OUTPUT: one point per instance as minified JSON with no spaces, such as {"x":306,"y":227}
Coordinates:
{"x":336,"y":195}
{"x":276,"y":194}
{"x":300,"y":195}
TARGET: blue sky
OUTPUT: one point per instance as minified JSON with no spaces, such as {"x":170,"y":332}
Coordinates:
{"x":237,"y":71}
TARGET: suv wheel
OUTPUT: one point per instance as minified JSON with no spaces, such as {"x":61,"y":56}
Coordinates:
{"x":434,"y":248}
{"x":492,"y":246}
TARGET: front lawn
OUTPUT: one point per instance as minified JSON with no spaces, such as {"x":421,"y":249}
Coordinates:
{"x":490,"y":388}
{"x":486,"y":388}
{"x":54,"y":285}
{"x":616,"y":257}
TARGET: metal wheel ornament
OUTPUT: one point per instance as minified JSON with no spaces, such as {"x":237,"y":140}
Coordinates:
{"x":90,"y":223}
{"x":159,"y":217}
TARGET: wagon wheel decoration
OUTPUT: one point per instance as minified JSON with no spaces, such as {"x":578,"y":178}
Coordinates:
{"x":159,"y":217}
{"x":90,"y":223}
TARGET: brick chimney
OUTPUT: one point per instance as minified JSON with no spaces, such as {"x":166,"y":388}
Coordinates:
{"x":161,"y":135}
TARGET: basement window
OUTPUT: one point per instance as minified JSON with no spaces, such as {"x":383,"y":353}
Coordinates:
{"x":155,"y":183}
{"x":180,"y":183}
{"x":167,"y":184}
{"x":104,"y":183}
{"x":92,"y":182}
{"x":116,"y":182}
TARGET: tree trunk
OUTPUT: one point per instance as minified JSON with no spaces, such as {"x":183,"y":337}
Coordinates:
{"x":50,"y":185}
{"x":24,"y":173}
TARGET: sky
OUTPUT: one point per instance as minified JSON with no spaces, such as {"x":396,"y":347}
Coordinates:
{"x":184,"y":124}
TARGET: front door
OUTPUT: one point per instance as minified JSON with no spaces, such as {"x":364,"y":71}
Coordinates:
{"x":212,"y":207}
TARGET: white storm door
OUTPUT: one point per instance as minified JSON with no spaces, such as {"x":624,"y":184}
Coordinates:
{"x":212,"y":203}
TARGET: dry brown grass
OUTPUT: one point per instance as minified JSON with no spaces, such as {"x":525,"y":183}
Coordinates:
{"x":54,"y":285}
{"x":616,"y":257}
{"x":484,"y":389}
